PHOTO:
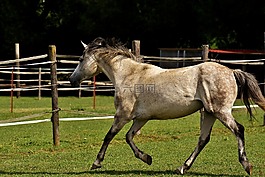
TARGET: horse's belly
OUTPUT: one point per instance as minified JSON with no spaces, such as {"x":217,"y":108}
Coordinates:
{"x":174,"y":110}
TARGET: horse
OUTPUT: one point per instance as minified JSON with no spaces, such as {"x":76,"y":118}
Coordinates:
{"x":146,"y":92}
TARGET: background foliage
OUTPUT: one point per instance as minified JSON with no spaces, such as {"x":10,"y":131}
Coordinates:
{"x":169,"y":23}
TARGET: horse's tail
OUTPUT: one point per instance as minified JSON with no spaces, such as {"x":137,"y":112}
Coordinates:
{"x":249,"y":88}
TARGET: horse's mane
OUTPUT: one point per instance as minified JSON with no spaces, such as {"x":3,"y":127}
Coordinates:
{"x":109,"y":48}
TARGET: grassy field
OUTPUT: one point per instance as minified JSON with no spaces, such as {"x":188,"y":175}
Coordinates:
{"x":27,"y":150}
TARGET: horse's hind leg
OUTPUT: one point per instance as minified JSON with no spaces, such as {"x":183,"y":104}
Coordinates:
{"x":207,"y":121}
{"x":238,"y":130}
{"x":136,"y":126}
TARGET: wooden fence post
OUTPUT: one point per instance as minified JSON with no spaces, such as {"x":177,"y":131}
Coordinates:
{"x":54,"y":92}
{"x":264,"y":78}
{"x":39,"y":94}
{"x":12,"y":91}
{"x":79,"y":91}
{"x":205,"y":52}
{"x":94,"y":92}
{"x":17,"y":56}
{"x":136,"y":49}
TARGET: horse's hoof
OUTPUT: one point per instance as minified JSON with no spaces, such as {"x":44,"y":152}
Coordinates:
{"x":94,"y":166}
{"x":249,"y":169}
{"x":247,"y":166}
{"x":180,"y":171}
{"x":147,"y":159}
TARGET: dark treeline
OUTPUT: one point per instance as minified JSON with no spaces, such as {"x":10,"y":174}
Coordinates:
{"x":169,"y":23}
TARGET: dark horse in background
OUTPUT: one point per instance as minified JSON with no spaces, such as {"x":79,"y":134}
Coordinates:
{"x":168,"y":94}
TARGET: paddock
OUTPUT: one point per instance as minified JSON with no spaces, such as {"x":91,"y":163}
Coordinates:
{"x":41,"y":70}
{"x":28,"y":149}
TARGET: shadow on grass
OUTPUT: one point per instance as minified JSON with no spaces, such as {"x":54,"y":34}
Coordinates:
{"x":116,"y":173}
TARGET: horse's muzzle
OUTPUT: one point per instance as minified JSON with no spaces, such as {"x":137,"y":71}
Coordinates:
{"x":74,"y":82}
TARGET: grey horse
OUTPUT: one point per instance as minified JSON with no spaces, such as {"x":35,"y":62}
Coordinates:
{"x":146,"y":92}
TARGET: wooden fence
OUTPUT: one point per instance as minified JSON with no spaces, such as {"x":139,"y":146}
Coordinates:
{"x":39,"y":71}
{"x":15,"y":68}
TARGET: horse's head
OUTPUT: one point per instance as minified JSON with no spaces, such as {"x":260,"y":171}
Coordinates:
{"x":87,"y":66}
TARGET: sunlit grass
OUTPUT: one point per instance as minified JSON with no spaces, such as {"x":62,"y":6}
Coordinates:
{"x":70,"y":107}
{"x":27,"y":150}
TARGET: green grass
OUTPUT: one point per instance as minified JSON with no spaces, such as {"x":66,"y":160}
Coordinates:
{"x":27,"y":150}
{"x":70,"y":106}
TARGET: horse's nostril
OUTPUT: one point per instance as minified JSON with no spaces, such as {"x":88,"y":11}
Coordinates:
{"x":73,"y":82}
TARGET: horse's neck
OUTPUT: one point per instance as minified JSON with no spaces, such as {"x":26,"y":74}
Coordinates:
{"x":118,"y":68}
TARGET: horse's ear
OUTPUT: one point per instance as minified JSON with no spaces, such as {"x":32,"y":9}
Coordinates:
{"x":83,"y":44}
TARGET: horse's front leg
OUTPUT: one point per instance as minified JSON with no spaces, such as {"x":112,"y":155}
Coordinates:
{"x":136,"y":126}
{"x":115,"y":128}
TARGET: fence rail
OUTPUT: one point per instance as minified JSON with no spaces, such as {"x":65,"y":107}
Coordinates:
{"x":62,"y":85}
{"x":26,"y":69}
{"x":23,"y":59}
